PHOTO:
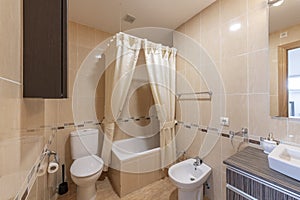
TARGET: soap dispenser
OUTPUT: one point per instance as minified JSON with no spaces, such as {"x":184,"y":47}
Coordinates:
{"x":268,"y":144}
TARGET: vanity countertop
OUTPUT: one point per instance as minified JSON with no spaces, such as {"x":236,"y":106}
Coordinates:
{"x":255,"y":162}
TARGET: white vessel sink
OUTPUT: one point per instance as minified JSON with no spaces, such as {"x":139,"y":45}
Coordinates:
{"x":286,"y":160}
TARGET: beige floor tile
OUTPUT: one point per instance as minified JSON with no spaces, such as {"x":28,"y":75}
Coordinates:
{"x":162,"y":189}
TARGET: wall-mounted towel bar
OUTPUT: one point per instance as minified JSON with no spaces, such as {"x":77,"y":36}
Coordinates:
{"x":180,"y":96}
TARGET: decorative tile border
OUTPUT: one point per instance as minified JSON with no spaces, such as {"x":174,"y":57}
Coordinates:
{"x":205,"y":129}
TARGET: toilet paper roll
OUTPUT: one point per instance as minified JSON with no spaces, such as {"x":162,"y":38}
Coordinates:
{"x":42,"y":167}
{"x":52,"y":167}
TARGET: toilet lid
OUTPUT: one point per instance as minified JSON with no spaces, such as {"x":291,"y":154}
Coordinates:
{"x":86,"y":166}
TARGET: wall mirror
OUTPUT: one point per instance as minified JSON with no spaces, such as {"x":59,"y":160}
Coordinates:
{"x":284,"y":58}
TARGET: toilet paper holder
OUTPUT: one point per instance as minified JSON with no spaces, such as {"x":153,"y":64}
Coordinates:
{"x":52,"y":153}
{"x":41,"y":168}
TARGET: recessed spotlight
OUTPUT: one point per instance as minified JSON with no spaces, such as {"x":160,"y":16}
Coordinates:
{"x":99,"y":56}
{"x":275,"y":2}
{"x":235,"y":27}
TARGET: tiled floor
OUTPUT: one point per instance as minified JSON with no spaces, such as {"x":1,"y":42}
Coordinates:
{"x":160,"y":190}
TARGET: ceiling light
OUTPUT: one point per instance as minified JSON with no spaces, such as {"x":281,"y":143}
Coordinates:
{"x":99,"y":56}
{"x":235,"y":27}
{"x":275,"y":2}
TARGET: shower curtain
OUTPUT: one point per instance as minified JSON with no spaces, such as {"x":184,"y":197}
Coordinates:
{"x":160,"y":62}
{"x":117,"y":83}
{"x":161,"y":67}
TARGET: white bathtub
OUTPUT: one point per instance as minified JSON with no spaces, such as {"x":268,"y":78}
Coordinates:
{"x":136,"y":160}
{"x":136,"y":155}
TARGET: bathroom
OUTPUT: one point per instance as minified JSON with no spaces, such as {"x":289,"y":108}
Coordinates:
{"x":240,"y":57}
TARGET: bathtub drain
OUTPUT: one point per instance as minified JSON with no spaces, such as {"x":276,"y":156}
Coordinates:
{"x":192,"y":179}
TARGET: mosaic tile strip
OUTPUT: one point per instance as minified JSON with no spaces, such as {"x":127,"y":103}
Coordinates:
{"x":216,"y":130}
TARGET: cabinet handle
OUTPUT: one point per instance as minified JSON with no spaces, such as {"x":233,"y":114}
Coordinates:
{"x":239,"y":192}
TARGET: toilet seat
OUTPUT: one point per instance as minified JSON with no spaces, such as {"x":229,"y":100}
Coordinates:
{"x":86,"y":166}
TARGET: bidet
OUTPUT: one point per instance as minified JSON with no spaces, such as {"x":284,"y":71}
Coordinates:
{"x":189,"y":178}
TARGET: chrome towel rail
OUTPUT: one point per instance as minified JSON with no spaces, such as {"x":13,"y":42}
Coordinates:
{"x":181,"y":98}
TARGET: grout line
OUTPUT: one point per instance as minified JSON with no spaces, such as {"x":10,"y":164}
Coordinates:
{"x":11,"y":81}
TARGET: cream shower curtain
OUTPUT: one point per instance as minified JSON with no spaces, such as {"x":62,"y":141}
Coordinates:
{"x":161,"y":67}
{"x":117,"y":82}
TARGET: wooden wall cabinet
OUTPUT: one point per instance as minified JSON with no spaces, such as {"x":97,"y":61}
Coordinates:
{"x":45,"y":48}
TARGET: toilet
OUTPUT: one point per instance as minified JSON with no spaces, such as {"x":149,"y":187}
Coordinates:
{"x":87,"y":165}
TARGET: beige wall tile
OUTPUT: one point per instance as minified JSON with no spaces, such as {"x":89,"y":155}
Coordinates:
{"x":100,"y":36}
{"x":72,"y":56}
{"x":232,"y":8}
{"x":234,"y":43}
{"x":293,"y":131}
{"x":258,"y":72}
{"x":65,"y":111}
{"x":82,"y":53}
{"x":257,"y":20}
{"x":205,"y":112}
{"x":213,"y":160}
{"x":32,"y":113}
{"x":260,"y":123}
{"x":72,"y":33}
{"x":210,"y":17}
{"x":71,"y":81}
{"x":51,"y":112}
{"x":254,"y":4}
{"x":192,"y":28}
{"x":10,"y":31}
{"x":210,"y":41}
{"x":85,"y":36}
{"x":237,"y":111}
{"x":234,"y":74}
{"x":274,"y":111}
{"x":193,"y":140}
{"x":9,"y":118}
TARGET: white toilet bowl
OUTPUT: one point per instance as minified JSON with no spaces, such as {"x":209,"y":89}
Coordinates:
{"x":85,"y":171}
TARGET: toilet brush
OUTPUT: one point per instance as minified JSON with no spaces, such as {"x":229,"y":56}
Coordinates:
{"x":63,"y":187}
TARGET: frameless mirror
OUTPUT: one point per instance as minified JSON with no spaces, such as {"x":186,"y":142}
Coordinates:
{"x":284,"y":50}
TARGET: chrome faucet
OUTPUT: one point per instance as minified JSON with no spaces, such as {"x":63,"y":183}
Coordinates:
{"x":198,"y":161}
{"x":243,"y":133}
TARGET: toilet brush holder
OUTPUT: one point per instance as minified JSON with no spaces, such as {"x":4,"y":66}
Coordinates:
{"x":63,"y":187}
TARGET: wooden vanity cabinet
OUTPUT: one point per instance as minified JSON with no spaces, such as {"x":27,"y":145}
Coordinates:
{"x":242,"y":186}
{"x":45,"y":48}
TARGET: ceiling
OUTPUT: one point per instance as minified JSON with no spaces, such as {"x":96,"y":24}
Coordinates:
{"x":107,"y":15}
{"x":284,"y":16}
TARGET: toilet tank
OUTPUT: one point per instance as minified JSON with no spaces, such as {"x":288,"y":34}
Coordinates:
{"x":84,"y":143}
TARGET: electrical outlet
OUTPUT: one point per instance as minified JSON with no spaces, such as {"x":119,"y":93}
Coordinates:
{"x":224,"y":121}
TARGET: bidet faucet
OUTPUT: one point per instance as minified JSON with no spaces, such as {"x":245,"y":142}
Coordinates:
{"x":198,"y":161}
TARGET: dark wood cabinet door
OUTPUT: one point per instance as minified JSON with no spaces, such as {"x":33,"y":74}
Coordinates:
{"x":45,"y":48}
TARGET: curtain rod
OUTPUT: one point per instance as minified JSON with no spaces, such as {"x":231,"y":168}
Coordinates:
{"x":143,"y":39}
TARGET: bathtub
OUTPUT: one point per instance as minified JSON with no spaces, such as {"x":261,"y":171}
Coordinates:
{"x":135,"y":163}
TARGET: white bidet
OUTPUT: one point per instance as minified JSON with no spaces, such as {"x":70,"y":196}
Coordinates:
{"x":189,"y":177}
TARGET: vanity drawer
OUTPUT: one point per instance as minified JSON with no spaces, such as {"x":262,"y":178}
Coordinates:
{"x":243,"y":186}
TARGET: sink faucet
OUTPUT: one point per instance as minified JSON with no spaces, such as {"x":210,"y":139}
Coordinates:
{"x":243,"y":133}
{"x":198,"y":161}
